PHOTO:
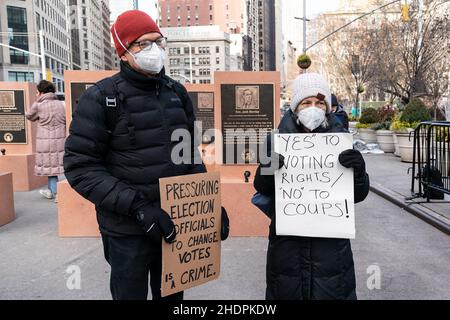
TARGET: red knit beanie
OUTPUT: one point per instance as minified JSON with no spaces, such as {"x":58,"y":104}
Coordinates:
{"x":129,"y":26}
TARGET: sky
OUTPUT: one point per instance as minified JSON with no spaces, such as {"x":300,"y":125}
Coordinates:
{"x":314,"y":7}
{"x":119,"y":6}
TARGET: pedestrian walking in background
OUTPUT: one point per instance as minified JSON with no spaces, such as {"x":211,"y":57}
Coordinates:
{"x":339,"y":112}
{"x":307,"y":267}
{"x":50,"y":115}
{"x":120,"y":146}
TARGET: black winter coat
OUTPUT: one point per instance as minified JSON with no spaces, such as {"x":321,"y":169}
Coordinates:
{"x":302,"y":267}
{"x":111,"y":168}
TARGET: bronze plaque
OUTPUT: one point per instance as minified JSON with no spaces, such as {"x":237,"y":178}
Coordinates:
{"x":12,"y":117}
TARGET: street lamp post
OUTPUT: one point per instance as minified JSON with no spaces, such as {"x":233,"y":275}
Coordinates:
{"x":304,"y":25}
{"x":41,"y":44}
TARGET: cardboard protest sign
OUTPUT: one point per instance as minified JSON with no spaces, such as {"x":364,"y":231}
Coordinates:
{"x":193,"y":202}
{"x":314,"y":192}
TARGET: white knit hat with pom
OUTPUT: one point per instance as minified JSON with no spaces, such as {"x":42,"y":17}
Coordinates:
{"x":309,"y":85}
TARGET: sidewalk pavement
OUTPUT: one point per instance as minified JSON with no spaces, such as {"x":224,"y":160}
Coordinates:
{"x":411,"y":256}
{"x":389,"y":178}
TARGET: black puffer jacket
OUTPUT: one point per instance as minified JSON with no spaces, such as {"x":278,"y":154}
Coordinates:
{"x":302,"y":267}
{"x":109,"y":168}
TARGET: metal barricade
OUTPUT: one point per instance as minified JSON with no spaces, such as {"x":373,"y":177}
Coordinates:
{"x":431,"y":160}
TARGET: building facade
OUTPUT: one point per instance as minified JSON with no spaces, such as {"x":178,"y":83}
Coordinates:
{"x":267,"y":35}
{"x":89,"y":34}
{"x":20,"y":22}
{"x":235,"y":17}
{"x":206,"y":48}
{"x":108,"y":53}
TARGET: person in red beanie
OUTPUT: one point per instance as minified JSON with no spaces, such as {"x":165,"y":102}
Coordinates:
{"x":120,"y":145}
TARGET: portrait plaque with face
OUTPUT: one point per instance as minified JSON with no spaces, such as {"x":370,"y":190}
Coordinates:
{"x":203,"y":103}
{"x":247,"y":97}
{"x":205,"y":100}
{"x":247,"y":116}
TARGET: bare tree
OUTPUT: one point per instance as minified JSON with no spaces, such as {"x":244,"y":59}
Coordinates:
{"x":401,"y":59}
{"x":411,"y":60}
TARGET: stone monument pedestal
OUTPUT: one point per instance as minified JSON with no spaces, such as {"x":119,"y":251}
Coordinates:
{"x":76,"y":215}
{"x":22,"y":168}
{"x":7,"y":212}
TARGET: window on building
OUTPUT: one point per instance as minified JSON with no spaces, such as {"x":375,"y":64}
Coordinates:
{"x":38,"y":21}
{"x":217,"y":49}
{"x":17,"y":22}
{"x":17,"y":76}
{"x":217,"y":60}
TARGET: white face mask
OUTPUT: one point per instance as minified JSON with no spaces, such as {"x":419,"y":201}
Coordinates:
{"x":151,"y":59}
{"x":311,"y":117}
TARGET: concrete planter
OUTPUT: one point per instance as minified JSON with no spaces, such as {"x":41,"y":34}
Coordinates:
{"x":368,"y":135}
{"x":405,"y":146}
{"x":385,"y":140}
{"x":352,"y":129}
{"x":397,"y":150}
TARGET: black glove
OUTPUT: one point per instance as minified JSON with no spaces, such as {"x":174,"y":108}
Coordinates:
{"x":156,"y":223}
{"x":353,"y":159}
{"x":277,"y":160}
{"x":225,"y":226}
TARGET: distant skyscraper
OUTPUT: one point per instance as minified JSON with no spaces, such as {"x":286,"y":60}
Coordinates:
{"x":232,"y":16}
{"x":267,"y":35}
{"x":90,"y":34}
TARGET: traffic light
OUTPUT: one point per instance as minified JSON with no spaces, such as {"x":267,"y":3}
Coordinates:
{"x":405,"y":11}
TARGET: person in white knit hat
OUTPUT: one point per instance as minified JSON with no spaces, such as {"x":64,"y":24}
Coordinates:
{"x":304,"y":267}
{"x":311,"y":90}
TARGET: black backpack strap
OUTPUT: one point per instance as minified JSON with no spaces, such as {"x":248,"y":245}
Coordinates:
{"x":110,"y":101}
{"x":177,"y":88}
{"x":113,"y":106}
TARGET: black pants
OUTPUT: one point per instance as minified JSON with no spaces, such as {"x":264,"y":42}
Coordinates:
{"x":131,"y":259}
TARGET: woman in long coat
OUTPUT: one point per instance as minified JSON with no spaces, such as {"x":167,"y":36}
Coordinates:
{"x":307,"y":268}
{"x":49,"y":113}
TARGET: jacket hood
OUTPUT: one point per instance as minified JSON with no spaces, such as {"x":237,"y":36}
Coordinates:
{"x":47,"y":97}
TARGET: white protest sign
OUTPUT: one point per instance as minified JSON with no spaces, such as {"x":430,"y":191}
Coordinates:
{"x":314,"y":192}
